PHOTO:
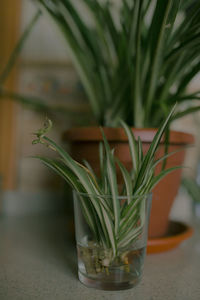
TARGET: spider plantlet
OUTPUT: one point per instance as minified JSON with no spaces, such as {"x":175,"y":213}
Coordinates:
{"x":111,"y":224}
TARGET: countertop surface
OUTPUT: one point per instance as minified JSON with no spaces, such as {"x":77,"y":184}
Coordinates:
{"x":38,"y":261}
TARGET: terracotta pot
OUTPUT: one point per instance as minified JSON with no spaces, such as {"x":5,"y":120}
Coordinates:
{"x":85,"y":144}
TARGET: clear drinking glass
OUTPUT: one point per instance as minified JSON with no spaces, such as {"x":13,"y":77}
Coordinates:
{"x":97,"y":266}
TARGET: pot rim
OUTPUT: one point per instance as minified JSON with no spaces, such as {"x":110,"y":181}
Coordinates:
{"x":93,"y":134}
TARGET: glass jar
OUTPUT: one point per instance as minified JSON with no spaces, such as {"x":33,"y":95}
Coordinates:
{"x":99,"y":264}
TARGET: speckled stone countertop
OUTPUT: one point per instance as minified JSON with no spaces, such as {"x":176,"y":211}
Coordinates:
{"x":37,"y":261}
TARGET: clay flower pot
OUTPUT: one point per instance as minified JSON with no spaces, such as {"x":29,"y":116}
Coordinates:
{"x":84,"y":143}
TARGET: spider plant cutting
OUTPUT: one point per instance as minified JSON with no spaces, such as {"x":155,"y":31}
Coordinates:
{"x":136,"y":59}
{"x":115,"y":216}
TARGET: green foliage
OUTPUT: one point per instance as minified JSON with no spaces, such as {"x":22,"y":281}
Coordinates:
{"x":193,"y":188}
{"x":134,"y":62}
{"x":14,"y":55}
{"x":114,"y":224}
{"x":31,"y":102}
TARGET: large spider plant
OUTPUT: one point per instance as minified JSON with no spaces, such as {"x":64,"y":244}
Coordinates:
{"x":136,"y":61}
{"x":134,"y":66}
{"x":114,"y":226}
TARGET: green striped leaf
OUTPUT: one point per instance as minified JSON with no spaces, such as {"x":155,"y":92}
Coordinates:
{"x":130,"y":237}
{"x":61,"y":170}
{"x":112,"y":177}
{"x":153,"y":147}
{"x":156,"y":39}
{"x":140,"y":151}
{"x":162,"y":174}
{"x":132,"y":146}
{"x":127,"y":181}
